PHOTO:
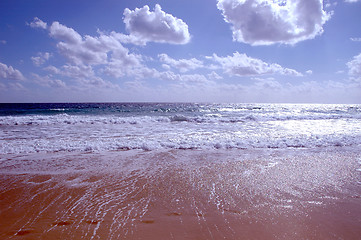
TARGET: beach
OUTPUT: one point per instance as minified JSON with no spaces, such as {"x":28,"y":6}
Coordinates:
{"x":180,"y":171}
{"x":182,"y":194}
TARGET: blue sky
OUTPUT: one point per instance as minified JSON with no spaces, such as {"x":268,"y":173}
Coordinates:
{"x":296,"y":51}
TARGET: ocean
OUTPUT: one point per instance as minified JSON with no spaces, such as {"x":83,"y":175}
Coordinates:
{"x":180,"y":171}
{"x":83,"y":127}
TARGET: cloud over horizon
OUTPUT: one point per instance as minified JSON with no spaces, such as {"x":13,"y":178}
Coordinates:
{"x":183,"y":65}
{"x":243,"y":65}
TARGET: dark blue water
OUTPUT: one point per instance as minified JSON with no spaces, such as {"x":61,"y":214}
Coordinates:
{"x":11,"y":109}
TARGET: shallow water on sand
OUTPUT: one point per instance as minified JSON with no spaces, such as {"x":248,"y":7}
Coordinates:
{"x":182,"y":194}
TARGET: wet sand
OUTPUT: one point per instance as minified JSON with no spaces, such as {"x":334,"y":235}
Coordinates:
{"x":182,"y":194}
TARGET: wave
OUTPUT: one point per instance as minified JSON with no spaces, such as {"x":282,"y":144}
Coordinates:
{"x":61,"y":146}
{"x":68,"y":119}
{"x":187,"y":126}
{"x":176,"y":135}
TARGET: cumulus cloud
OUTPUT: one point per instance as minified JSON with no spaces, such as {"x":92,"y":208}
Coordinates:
{"x":265,"y":22}
{"x":72,"y":71}
{"x":157,"y":26}
{"x":214,"y":76}
{"x":41,"y":58}
{"x":123,"y":63}
{"x":329,"y":4}
{"x":126,"y":39}
{"x":37,"y":23}
{"x":47,"y":81}
{"x":8,"y":72}
{"x":82,"y":76}
{"x":175,"y":77}
{"x":78,"y":72}
{"x":86,"y":51}
{"x":52,"y":69}
{"x":354,"y":66}
{"x":242,"y":65}
{"x":63,"y":33}
{"x":267,"y":84}
{"x":183,"y":65}
{"x":106,"y":50}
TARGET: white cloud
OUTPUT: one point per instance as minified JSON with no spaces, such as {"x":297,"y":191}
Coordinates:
{"x":123,"y":63}
{"x":78,"y":72}
{"x":79,"y":76}
{"x":214,"y":76}
{"x":158,"y":26}
{"x":242,"y":65}
{"x":354,"y":66}
{"x":104,"y":50}
{"x":171,"y":76}
{"x":79,"y":50}
{"x":355,"y":39}
{"x":8,"y":72}
{"x":351,"y":1}
{"x":309,"y":72}
{"x":194,"y":78}
{"x":41,"y":58}
{"x":126,"y":39}
{"x":74,"y":72}
{"x":63,"y":33}
{"x":52,"y":69}
{"x":183,"y":65}
{"x":265,"y":22}
{"x":16,"y":86}
{"x":329,"y":4}
{"x":47,"y":81}
{"x":37,"y":23}
{"x":268,"y":84}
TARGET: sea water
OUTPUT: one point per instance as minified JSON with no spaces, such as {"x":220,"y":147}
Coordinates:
{"x":84,"y":127}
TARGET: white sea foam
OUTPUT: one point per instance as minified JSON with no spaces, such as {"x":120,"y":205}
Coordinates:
{"x":274,"y":126}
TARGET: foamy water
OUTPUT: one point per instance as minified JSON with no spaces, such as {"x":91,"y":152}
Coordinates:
{"x":108,"y":127}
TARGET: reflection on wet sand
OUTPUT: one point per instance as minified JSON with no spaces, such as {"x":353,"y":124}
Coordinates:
{"x":190,"y":194}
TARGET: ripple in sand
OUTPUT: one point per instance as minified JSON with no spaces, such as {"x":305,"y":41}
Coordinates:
{"x":147,"y":221}
{"x":38,"y":179}
{"x":62,"y":223}
{"x":174,"y":214}
{"x":21,"y":232}
{"x":92,"y":221}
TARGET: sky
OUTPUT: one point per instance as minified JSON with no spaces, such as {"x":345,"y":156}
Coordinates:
{"x":247,"y":51}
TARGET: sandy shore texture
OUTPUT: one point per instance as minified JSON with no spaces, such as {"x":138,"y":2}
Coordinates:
{"x":182,"y":194}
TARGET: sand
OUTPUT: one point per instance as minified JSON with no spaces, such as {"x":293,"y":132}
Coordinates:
{"x":182,"y":194}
